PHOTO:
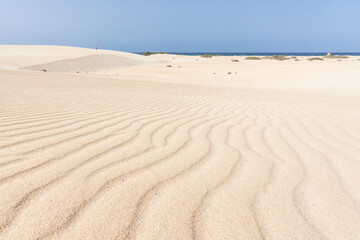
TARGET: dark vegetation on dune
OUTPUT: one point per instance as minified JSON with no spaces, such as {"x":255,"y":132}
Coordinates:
{"x":207,"y":56}
{"x":278,"y":57}
{"x":315,"y":59}
{"x":153,"y":53}
{"x":336,"y":57}
{"x":281,"y":58}
{"x":252,"y":58}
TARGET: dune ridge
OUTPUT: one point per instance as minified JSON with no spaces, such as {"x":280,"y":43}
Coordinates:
{"x":168,"y":156}
{"x":92,"y":63}
{"x":68,"y":59}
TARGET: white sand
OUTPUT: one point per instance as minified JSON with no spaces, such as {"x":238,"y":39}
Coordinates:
{"x":131,"y":149}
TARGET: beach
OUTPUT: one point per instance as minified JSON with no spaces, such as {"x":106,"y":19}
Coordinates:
{"x":99,"y":144}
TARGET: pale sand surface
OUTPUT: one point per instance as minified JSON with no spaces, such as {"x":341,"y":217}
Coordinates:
{"x":131,"y":149}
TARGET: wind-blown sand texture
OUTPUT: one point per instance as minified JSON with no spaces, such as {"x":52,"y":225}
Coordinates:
{"x":213,"y":149}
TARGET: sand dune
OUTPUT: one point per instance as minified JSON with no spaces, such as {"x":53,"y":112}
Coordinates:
{"x":152,"y":152}
{"x":92,"y":63}
{"x":67,"y":59}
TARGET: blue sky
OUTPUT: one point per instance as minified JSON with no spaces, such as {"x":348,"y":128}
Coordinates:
{"x":185,"y":25}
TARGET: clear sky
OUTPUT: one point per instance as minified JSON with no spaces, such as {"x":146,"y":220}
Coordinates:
{"x":185,"y":25}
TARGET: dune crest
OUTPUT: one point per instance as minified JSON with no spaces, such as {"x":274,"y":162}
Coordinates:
{"x":92,"y":63}
{"x":68,"y":59}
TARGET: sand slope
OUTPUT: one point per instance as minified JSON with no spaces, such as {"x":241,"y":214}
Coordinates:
{"x":92,"y":63}
{"x":181,"y":153}
{"x":67,"y":59}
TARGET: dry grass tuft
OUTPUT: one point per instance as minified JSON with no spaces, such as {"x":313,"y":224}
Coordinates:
{"x":336,"y":57}
{"x":207,"y":56}
{"x":280,"y":57}
{"x":252,"y":58}
{"x":315,"y":59}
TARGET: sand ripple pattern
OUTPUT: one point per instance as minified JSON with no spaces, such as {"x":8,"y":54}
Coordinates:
{"x":112,"y":159}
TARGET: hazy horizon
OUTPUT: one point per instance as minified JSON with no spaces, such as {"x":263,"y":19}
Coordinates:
{"x":186,"y":26}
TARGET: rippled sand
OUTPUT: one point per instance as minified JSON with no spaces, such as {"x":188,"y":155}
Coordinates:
{"x":129,"y":148}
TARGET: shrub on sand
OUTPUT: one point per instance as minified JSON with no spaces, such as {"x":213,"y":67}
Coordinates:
{"x":280,"y":57}
{"x":336,"y":56}
{"x":148,"y":54}
{"x":207,"y":56}
{"x":252,"y":58}
{"x":168,"y":66}
{"x":234,"y":60}
{"x":315,"y":59}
